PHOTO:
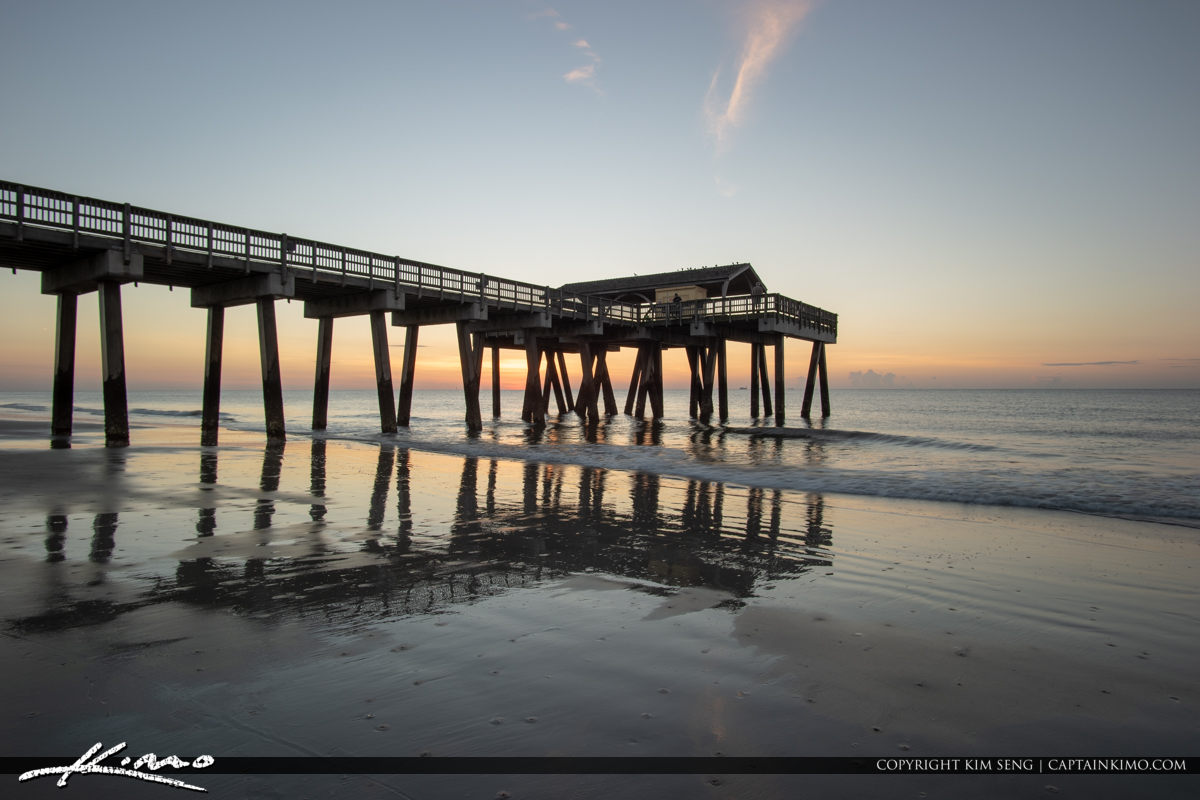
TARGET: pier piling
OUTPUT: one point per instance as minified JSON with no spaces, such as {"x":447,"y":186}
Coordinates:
{"x":210,"y":413}
{"x":272,"y":382}
{"x":320,"y":416}
{"x":112,"y":350}
{"x":64,"y":365}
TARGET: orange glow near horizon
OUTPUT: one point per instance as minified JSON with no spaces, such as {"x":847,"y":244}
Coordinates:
{"x":165,"y":339}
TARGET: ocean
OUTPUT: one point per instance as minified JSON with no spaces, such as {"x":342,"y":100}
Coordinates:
{"x":1131,"y":454}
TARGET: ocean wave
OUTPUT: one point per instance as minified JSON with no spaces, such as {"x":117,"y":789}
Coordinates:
{"x":835,"y":435}
{"x":43,"y":409}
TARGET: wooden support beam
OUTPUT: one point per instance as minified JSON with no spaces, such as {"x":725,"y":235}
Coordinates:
{"x":779,"y":381}
{"x":754,"y":348}
{"x":656,"y":392}
{"x":547,"y":384}
{"x":555,"y":383}
{"x":646,"y":378}
{"x":268,"y":353}
{"x":566,"y":380}
{"x":708,"y":361}
{"x":383,"y":372}
{"x":810,"y":381}
{"x":824,"y":375}
{"x":470,"y":376}
{"x":352,"y":305}
{"x":87,"y":274}
{"x":532,"y":410}
{"x":532,"y":379}
{"x":210,"y":413}
{"x":495,"y":382}
{"x":764,"y":381}
{"x":408,"y":370}
{"x":64,"y":365}
{"x":695,"y":387}
{"x":585,"y":400}
{"x":112,"y":353}
{"x":635,"y":380}
{"x":722,"y":383}
{"x":244,"y":290}
{"x":602,"y":377}
{"x":320,"y":418}
{"x":477,"y":350}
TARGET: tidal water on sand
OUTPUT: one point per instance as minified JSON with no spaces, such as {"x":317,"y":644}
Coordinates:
{"x":925,"y":574}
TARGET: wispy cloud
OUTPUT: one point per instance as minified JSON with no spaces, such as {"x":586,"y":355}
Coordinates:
{"x":584,"y":75}
{"x":770,"y":25}
{"x":581,"y":74}
{"x":1090,"y":363}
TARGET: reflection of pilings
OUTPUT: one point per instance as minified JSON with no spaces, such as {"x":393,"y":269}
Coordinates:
{"x":754,"y":512}
{"x":272,"y":467}
{"x":206,"y":522}
{"x":56,"y":536}
{"x":383,"y":479}
{"x":467,"y":507}
{"x":529,"y":487}
{"x":104,"y":529}
{"x":316,"y":480}
{"x":493,"y":469}
{"x":703,"y":506}
{"x":816,"y":535}
{"x":644,"y":499}
{"x":591,"y":493}
{"x":648,"y":434}
{"x":404,"y":499}
{"x":677,"y":532}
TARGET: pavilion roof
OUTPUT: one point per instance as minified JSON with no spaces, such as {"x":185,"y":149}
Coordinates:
{"x":731,"y":279}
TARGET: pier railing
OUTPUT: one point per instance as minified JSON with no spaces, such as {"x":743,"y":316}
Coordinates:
{"x":129,"y":225}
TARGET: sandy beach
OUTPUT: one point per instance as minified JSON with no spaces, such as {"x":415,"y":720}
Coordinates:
{"x":333,"y":598}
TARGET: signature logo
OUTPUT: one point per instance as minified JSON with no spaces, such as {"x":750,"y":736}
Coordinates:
{"x":90,"y":762}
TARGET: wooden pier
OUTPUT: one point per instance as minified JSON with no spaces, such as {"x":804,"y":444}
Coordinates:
{"x":82,"y":245}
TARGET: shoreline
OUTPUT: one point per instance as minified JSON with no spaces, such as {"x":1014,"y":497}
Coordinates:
{"x":330,"y":597}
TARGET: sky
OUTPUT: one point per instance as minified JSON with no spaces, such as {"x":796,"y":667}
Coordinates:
{"x":988,"y":194}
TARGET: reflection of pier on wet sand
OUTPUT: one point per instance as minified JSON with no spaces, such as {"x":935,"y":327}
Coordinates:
{"x":512,"y":523}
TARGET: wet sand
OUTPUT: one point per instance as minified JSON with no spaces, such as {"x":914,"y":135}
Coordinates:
{"x":332,"y":598}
